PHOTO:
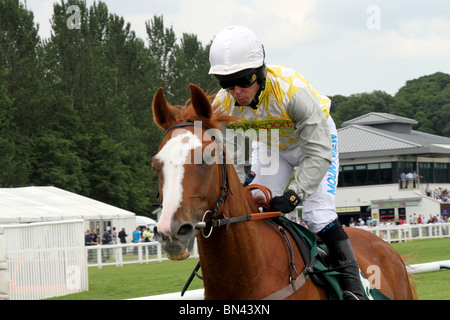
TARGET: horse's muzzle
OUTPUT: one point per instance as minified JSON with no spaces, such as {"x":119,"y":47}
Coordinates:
{"x":177,"y":243}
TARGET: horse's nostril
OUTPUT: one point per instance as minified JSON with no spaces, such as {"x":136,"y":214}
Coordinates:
{"x":185,"y":229}
{"x":159,"y":235}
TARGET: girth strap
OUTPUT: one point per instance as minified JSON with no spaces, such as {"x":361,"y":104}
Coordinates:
{"x":289,"y":289}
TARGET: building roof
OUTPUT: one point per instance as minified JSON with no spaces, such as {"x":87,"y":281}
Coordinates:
{"x":381,"y":134}
{"x":378,"y":117}
{"x":39,"y":204}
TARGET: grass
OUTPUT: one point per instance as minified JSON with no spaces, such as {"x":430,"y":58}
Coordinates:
{"x":421,"y":251}
{"x":140,"y":280}
{"x":137,"y":280}
{"x":432,"y":285}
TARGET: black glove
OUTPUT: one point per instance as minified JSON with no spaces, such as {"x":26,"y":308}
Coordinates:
{"x":285,"y":203}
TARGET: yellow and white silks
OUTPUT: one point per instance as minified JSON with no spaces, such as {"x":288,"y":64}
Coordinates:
{"x":300,"y":116}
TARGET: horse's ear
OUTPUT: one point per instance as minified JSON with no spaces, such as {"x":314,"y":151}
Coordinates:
{"x":200,"y":102}
{"x":162,"y":115}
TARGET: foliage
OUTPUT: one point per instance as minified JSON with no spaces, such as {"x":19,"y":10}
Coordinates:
{"x":75,"y":109}
{"x":426,"y":99}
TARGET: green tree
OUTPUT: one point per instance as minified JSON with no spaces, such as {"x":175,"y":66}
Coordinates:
{"x":161,"y":48}
{"x":21,"y":89}
{"x":191,"y":65}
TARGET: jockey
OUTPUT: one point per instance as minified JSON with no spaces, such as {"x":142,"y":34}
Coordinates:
{"x":264,"y":98}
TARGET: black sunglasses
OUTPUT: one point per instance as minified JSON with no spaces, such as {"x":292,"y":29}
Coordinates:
{"x":243,"y":82}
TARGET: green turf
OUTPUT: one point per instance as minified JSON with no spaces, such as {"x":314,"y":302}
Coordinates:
{"x":432,"y":285}
{"x":421,"y":251}
{"x":139,"y":280}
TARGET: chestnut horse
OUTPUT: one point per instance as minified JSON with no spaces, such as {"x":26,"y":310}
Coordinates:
{"x":242,"y":260}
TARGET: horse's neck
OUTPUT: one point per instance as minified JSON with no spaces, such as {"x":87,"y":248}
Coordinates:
{"x":235,"y":252}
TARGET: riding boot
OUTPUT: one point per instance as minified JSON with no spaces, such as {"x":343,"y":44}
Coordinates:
{"x":343,"y":257}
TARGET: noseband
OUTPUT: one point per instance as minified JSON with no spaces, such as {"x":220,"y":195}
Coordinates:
{"x":225,"y":188}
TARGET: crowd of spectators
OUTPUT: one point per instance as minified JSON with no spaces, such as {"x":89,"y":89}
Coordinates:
{"x":414,"y":219}
{"x":439,"y":194}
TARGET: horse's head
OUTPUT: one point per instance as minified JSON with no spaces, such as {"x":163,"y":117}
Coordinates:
{"x":188,"y":171}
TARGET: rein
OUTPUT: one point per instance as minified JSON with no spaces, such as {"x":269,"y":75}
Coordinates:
{"x":293,"y":285}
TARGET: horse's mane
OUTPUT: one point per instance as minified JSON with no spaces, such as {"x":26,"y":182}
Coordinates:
{"x":187,"y":113}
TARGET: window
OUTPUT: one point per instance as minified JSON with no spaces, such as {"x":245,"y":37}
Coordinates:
{"x":402,"y":213}
{"x":348,"y":176}
{"x":366,"y":174}
{"x":387,"y":215}
{"x":426,"y":171}
{"x":386,"y":173}
{"x":441,"y":172}
{"x":361,"y":175}
{"x":373,"y":173}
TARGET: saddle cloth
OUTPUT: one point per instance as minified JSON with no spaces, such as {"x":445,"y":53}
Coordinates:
{"x":317,"y":254}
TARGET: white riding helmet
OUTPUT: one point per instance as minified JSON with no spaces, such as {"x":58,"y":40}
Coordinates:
{"x":235,"y":49}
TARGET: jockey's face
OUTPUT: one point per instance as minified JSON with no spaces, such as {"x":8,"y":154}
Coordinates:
{"x":245,"y":96}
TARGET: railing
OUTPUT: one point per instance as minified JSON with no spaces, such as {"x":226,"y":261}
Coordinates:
{"x":409,"y":184}
{"x":145,"y":252}
{"x":409,"y":232}
{"x":120,"y":254}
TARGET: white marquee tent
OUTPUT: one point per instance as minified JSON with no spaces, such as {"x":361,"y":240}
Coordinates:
{"x":41,"y":204}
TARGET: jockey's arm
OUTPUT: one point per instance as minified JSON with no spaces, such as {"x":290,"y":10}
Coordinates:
{"x":313,"y":136}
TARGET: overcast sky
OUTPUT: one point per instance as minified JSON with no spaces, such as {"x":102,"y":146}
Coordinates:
{"x":342,"y":47}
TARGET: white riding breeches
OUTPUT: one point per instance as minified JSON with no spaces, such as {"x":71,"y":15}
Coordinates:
{"x":320,"y":208}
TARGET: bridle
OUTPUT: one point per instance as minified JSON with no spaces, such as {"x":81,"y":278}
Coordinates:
{"x":293,"y":285}
{"x":224,"y":189}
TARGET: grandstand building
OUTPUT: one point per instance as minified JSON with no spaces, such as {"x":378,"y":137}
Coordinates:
{"x":374,"y":150}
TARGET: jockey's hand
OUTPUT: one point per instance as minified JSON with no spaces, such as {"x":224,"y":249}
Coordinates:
{"x":285,"y":203}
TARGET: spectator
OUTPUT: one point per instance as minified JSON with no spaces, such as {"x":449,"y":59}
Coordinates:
{"x":409,"y":179}
{"x":123,"y":239}
{"x":136,"y":235}
{"x":403,"y":180}
{"x":106,"y":238}
{"x":88,"y":242}
{"x":114,"y":236}
{"x":416,"y":178}
{"x":444,"y":196}
{"x":146,"y":234}
{"x":428,"y":190}
{"x":88,"y":238}
{"x":94,"y":237}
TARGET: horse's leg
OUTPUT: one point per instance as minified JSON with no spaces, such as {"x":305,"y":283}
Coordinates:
{"x":381,"y":264}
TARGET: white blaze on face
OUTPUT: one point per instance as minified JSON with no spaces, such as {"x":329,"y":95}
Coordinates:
{"x":174,"y":155}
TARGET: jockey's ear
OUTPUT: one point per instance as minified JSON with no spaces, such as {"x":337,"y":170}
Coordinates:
{"x":200,"y":102}
{"x":162,"y":114}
